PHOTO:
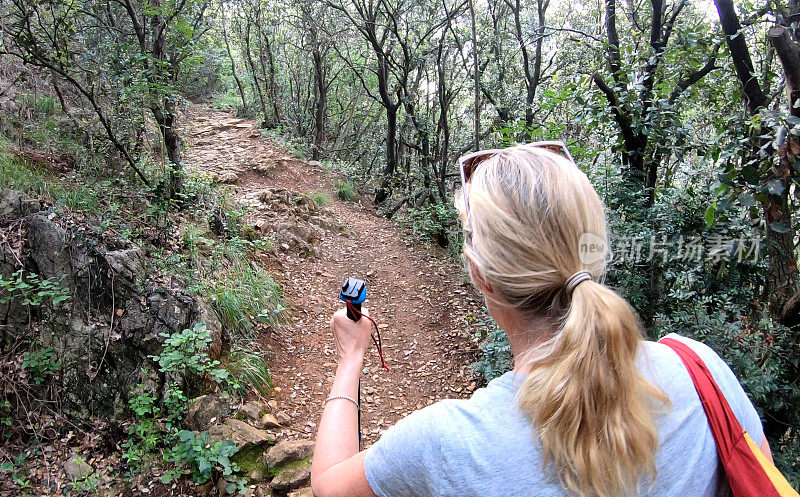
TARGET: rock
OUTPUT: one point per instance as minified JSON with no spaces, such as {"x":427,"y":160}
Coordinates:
{"x":241,"y":433}
{"x":252,"y":410}
{"x":269,"y":421}
{"x":15,"y":204}
{"x":48,"y":247}
{"x":288,"y":451}
{"x":314,"y":163}
{"x":228,"y":178}
{"x":283,"y":418}
{"x":128,"y":265}
{"x":205,"y":410}
{"x":303,"y":492}
{"x":77,"y":469}
{"x":292,"y":477}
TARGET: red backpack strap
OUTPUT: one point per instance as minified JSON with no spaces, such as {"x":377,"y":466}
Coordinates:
{"x":723,"y":423}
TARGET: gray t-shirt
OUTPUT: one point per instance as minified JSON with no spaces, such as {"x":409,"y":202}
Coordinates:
{"x":484,"y":446}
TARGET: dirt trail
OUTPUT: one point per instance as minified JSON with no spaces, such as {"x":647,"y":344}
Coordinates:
{"x":415,"y":292}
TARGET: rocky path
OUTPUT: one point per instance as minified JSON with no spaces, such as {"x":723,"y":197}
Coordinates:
{"x":416,"y":293}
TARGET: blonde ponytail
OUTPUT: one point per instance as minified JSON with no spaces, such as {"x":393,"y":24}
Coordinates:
{"x":592,"y":407}
{"x":593,"y":410}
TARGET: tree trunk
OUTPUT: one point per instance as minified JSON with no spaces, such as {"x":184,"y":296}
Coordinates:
{"x":239,"y":84}
{"x":384,"y":191}
{"x":477,"y":77}
{"x":254,"y":74}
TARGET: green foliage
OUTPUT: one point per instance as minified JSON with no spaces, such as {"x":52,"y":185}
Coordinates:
{"x":157,"y":436}
{"x":247,"y":367}
{"x":241,"y":292}
{"x":320,"y":199}
{"x":186,"y":351}
{"x":16,"y":468}
{"x":496,"y":357}
{"x":435,"y":223}
{"x":345,"y":191}
{"x":203,"y":458}
{"x":40,"y":363}
{"x":42,"y":105}
{"x":33,"y":291}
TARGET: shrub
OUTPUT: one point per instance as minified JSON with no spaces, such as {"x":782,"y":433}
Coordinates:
{"x":345,"y":191}
{"x":186,"y":351}
{"x":496,"y":357}
{"x":435,"y":223}
{"x":321,"y":200}
{"x":158,"y":435}
{"x":247,"y":367}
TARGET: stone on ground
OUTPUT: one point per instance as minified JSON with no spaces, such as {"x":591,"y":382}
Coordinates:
{"x":77,"y":469}
{"x":206,"y":410}
{"x":288,"y":451}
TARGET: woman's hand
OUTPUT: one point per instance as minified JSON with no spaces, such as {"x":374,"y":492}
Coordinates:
{"x":352,"y":337}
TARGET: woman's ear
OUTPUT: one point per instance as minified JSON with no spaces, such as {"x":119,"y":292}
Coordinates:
{"x":477,"y":278}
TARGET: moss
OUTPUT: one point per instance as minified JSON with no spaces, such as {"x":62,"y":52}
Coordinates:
{"x":251,"y":457}
{"x":303,"y":463}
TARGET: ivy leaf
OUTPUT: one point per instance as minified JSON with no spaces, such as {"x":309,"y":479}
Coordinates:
{"x":747,"y":200}
{"x":710,"y":212}
{"x":750,"y":175}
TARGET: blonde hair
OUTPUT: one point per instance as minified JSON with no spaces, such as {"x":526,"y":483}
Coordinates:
{"x":593,"y":410}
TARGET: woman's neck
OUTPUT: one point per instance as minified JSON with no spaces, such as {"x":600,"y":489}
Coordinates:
{"x":525,"y":334}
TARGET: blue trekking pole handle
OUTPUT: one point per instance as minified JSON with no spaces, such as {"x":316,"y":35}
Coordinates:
{"x":353,"y":293}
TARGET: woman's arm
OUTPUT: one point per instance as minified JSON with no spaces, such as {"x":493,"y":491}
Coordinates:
{"x":338,"y":467}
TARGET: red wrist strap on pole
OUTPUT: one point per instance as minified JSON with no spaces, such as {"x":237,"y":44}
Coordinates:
{"x":377,"y":341}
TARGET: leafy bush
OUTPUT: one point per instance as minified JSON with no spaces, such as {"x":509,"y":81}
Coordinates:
{"x":40,"y":363}
{"x":496,"y":357}
{"x":435,"y":223}
{"x":345,"y":191}
{"x":186,"y":351}
{"x":158,"y":434}
{"x":33,"y":290}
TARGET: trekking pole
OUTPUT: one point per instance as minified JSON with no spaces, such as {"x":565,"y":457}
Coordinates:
{"x":353,"y":293}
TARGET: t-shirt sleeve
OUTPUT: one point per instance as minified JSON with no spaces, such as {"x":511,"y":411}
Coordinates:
{"x":740,"y":403}
{"x":402,"y":462}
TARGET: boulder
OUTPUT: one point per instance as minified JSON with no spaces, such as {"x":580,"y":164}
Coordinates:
{"x":228,"y":178}
{"x":283,"y":418}
{"x":288,"y":451}
{"x":48,"y":247}
{"x":269,"y":421}
{"x":302,"y":492}
{"x":208,"y":316}
{"x":252,"y":410}
{"x":77,"y":469}
{"x":15,"y":204}
{"x":128,"y":266}
{"x":206,"y":410}
{"x":296,"y":476}
{"x":241,"y":433}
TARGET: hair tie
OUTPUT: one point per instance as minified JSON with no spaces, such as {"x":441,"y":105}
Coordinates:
{"x":576,"y":279}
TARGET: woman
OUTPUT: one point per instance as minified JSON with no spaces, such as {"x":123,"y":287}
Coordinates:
{"x":590,"y":408}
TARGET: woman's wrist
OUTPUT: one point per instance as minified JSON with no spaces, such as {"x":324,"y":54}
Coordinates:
{"x":351,"y":362}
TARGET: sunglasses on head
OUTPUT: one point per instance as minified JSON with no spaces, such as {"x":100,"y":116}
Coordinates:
{"x":470,"y":162}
